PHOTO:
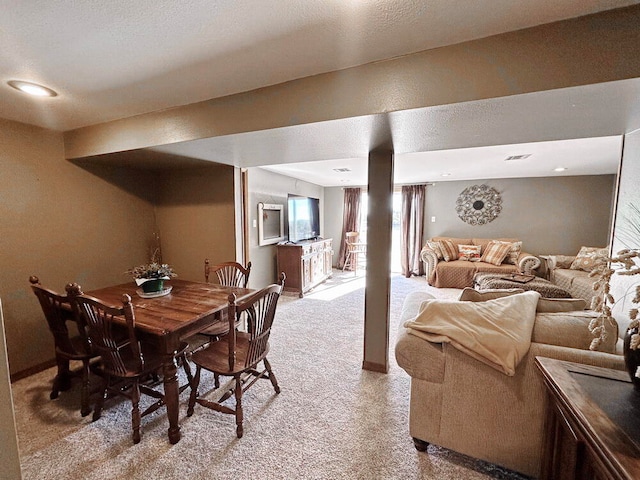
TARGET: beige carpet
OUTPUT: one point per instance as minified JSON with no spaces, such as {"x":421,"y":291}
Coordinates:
{"x":332,"y":420}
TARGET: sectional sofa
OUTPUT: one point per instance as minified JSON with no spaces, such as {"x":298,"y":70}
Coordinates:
{"x":463,"y":404}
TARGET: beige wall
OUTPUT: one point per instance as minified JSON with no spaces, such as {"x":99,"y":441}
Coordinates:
{"x":62,"y":223}
{"x":90,"y":222}
{"x":196,"y":218}
{"x":552,"y":215}
{"x":270,"y":187}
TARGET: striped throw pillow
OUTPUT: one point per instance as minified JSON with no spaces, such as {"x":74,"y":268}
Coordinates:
{"x":449,"y":250}
{"x":514,"y":252}
{"x":495,"y":253}
{"x":435,"y":246}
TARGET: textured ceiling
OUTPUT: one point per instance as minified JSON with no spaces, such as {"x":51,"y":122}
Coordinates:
{"x":116,"y":59}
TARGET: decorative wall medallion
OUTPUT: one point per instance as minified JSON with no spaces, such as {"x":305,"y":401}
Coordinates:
{"x":479,"y":204}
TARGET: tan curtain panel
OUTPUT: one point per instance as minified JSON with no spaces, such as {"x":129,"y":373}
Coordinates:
{"x":350,"y":219}
{"x":412,"y":226}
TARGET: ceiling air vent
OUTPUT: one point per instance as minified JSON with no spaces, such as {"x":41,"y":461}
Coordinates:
{"x":517,"y":157}
{"x":341,"y":170}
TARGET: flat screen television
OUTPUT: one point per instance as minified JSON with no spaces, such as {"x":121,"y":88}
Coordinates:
{"x":304,"y":218}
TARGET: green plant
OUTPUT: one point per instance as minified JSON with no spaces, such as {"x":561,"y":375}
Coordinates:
{"x":152,"y":270}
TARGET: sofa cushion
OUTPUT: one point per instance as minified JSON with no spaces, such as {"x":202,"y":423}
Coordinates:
{"x":588,"y":258}
{"x":545,"y":305}
{"x":495,"y":253}
{"x":472,"y":295}
{"x":459,"y":273}
{"x":577,"y":282}
{"x":449,"y":250}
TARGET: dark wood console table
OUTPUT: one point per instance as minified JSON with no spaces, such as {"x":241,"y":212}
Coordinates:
{"x":306,"y":264}
{"x":593,"y":423}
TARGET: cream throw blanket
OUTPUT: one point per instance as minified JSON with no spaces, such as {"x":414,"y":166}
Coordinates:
{"x":496,"y":332}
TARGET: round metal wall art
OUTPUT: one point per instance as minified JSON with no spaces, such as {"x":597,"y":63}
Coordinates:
{"x":479,"y":204}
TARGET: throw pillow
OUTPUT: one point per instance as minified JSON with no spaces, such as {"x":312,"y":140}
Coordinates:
{"x":469,"y":252}
{"x":472,"y":295}
{"x":588,"y":258}
{"x":495,"y":253}
{"x":449,"y":250}
{"x":435,"y":246}
{"x":514,"y":252}
{"x":545,"y":305}
{"x":564,"y":261}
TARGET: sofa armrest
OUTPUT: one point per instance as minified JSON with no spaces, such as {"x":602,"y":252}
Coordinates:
{"x":575,"y":355}
{"x":420,"y":358}
{"x":571,"y":329}
{"x":430,"y":260}
{"x":528,"y":263}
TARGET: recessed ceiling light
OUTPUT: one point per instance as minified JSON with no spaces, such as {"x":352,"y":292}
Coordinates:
{"x":32,"y":88}
{"x":445,"y":175}
{"x":559,"y":169}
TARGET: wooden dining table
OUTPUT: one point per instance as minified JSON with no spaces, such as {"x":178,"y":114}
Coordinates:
{"x":168,"y":320}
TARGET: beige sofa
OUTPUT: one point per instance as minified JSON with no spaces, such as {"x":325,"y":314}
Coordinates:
{"x":577,"y":282}
{"x":460,"y":273}
{"x":462,"y":404}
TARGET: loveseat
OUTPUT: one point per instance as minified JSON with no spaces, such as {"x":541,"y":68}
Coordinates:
{"x":465,"y":405}
{"x":457,"y":271}
{"x":571,"y":272}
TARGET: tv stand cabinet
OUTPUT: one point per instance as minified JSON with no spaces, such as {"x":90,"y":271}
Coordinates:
{"x":306,"y":264}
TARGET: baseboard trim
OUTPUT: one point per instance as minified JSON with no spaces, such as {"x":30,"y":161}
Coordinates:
{"x":375,"y":367}
{"x":32,"y":370}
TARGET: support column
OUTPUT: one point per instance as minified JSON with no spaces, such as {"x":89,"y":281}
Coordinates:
{"x":379,"y":224}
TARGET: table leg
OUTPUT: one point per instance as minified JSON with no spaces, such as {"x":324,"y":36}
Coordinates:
{"x":170,"y":379}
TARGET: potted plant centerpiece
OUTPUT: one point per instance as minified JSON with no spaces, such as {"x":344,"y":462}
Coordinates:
{"x":151,"y":276}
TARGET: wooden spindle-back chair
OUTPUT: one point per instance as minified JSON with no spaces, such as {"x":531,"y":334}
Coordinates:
{"x":229,"y":274}
{"x":68,"y":346}
{"x":125,"y":360}
{"x":238,"y":354}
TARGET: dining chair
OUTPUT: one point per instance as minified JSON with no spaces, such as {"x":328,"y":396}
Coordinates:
{"x":126,"y":362}
{"x":354,"y":250}
{"x":238,"y":354}
{"x":68,"y":347}
{"x":229,"y":274}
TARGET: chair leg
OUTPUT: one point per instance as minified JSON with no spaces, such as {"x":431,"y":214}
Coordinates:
{"x":216,"y":380}
{"x":346,"y":262}
{"x":55,"y":388}
{"x":85,"y":409}
{"x":194,"y":391}
{"x":62,"y":380}
{"x":187,"y":368}
{"x":239,"y":415}
{"x":272,"y":377}
{"x":135,"y":411}
{"x":97,"y":411}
